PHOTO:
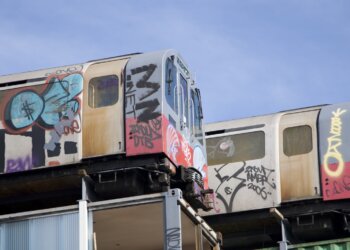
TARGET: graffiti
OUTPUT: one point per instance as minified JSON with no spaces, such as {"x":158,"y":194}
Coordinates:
{"x":27,"y":107}
{"x":337,"y":187}
{"x":64,"y":125}
{"x":40,"y":119}
{"x":259,"y":190}
{"x":187,"y":152}
{"x":36,"y":137}
{"x":142,"y":108}
{"x":225,"y":180}
{"x":199,"y":161}
{"x":173,"y":142}
{"x":69,"y":70}
{"x":260,"y":175}
{"x":224,"y":148}
{"x":74,"y":128}
{"x":19,"y":164}
{"x":258,"y":179}
{"x":70,"y":147}
{"x":173,"y":238}
{"x":144,"y":134}
{"x":334,"y":141}
{"x":130,"y":98}
{"x":148,"y":109}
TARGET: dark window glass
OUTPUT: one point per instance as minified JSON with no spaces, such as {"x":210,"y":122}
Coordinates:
{"x":236,"y":148}
{"x":198,"y":132}
{"x":103,"y":91}
{"x":297,"y":140}
{"x":170,"y":84}
{"x":184,"y":98}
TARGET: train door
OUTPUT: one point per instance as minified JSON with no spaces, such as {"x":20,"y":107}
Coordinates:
{"x":103,"y":117}
{"x":298,"y":155}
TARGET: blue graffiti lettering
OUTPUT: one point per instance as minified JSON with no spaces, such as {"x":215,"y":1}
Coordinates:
{"x":47,"y":109}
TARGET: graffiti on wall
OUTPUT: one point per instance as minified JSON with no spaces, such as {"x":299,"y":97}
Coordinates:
{"x":40,"y":119}
{"x":173,"y":143}
{"x":46,"y":109}
{"x":145,"y":133}
{"x":144,"y":122}
{"x":144,"y":107}
{"x":336,"y":177}
{"x":173,"y":238}
{"x":258,"y":180}
{"x":334,"y":141}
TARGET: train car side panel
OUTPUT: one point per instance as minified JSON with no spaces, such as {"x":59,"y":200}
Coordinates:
{"x":298,"y":156}
{"x":334,"y":124}
{"x":103,"y":116}
{"x":243,"y":169}
{"x":143,"y":104}
{"x":41,"y":122}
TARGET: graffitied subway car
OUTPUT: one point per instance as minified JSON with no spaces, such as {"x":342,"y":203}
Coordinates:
{"x":297,"y":161}
{"x":262,"y":161}
{"x":129,"y":122}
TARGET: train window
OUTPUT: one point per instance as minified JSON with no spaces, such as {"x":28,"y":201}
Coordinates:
{"x":192,"y":114}
{"x":170,"y":87}
{"x":184,"y":98}
{"x":197,"y":116}
{"x":236,"y":148}
{"x":297,"y":140}
{"x":103,"y":91}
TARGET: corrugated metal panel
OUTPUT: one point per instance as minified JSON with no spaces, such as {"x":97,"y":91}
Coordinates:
{"x":339,"y":244}
{"x":57,"y":232}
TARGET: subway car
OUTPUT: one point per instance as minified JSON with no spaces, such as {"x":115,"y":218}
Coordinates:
{"x":297,"y":161}
{"x":131,"y":124}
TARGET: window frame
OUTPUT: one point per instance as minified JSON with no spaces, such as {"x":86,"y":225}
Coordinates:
{"x":92,"y":90}
{"x":309,"y":149}
{"x":223,"y":161}
{"x":174,"y":106}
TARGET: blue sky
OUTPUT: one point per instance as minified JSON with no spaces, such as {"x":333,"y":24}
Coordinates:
{"x":250,"y":57}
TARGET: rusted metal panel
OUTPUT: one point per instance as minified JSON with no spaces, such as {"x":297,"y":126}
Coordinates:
{"x":103,"y":127}
{"x":249,"y":181}
{"x":299,"y":169}
{"x":334,"y":143}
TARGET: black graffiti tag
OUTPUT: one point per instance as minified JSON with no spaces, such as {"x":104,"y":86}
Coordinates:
{"x":230,"y":192}
{"x":173,"y":238}
{"x":258,"y":179}
{"x":149,"y":110}
{"x":148,"y":107}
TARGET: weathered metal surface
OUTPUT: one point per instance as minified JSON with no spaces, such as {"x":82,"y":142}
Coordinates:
{"x":243,"y":167}
{"x":103,"y":127}
{"x":299,"y":172}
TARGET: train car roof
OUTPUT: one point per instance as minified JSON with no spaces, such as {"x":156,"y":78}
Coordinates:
{"x":38,"y":76}
{"x":41,"y":74}
{"x":254,"y":121}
